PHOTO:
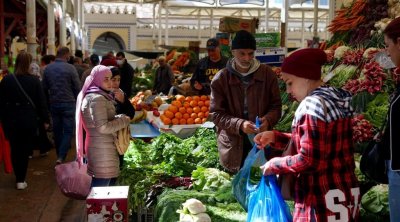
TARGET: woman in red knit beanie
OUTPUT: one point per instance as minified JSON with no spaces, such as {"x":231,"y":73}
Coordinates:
{"x":325,"y":187}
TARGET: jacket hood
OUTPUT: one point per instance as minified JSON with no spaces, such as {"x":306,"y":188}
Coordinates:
{"x":339,"y":97}
{"x":231,"y":66}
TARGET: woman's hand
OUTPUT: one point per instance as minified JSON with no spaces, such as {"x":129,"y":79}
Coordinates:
{"x":119,"y":95}
{"x":266,"y":168}
{"x":264,"y":138}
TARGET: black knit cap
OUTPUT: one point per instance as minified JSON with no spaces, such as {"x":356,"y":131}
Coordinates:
{"x":244,"y":40}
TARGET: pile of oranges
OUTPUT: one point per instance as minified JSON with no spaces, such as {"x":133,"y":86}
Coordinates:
{"x":187,"y":110}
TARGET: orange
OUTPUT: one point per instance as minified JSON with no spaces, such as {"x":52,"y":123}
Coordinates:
{"x":178,"y":115}
{"x":204,"y":109}
{"x":186,"y":116}
{"x":176,"y":103}
{"x":196,"y":109}
{"x":180,"y":98}
{"x":186,"y":104}
{"x":207,"y":103}
{"x":173,"y":108}
{"x":190,"y":121}
{"x":197,"y":121}
{"x":167,"y":121}
{"x":193,"y":103}
{"x":200,"y":115}
{"x":169,"y":114}
{"x":189,"y":110}
{"x":193,"y":115}
{"x":204,"y":120}
{"x":175,"y":121}
{"x":162,"y":117}
{"x":196,"y":98}
{"x":203,"y":97}
{"x":182,"y":110}
{"x":182,"y":121}
{"x":206,"y":114}
{"x":188,"y":99}
{"x":200,"y":103}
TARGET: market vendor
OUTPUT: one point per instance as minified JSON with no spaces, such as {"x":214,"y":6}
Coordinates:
{"x":240,"y":92}
{"x":207,"y":68}
{"x":164,"y":77}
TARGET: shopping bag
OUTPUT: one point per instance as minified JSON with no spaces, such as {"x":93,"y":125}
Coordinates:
{"x":266,"y":203}
{"x":372,"y":163}
{"x":5,"y":152}
{"x":73,"y":180}
{"x":250,"y":171}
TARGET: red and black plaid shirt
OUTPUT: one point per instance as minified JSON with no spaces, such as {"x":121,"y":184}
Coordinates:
{"x":326,"y":187}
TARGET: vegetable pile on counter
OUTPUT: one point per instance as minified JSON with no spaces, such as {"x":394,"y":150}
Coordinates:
{"x":150,"y":164}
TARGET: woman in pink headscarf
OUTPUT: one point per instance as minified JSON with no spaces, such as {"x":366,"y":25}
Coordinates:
{"x":95,"y":114}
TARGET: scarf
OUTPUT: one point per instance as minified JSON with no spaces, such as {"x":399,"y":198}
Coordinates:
{"x":92,"y":85}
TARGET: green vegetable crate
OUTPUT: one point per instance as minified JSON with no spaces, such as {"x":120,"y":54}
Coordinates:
{"x":145,"y":214}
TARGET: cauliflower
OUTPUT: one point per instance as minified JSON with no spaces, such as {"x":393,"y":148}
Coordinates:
{"x":193,"y":211}
{"x":339,"y":52}
{"x":201,"y":217}
{"x":194,"y":206}
{"x":369,"y":52}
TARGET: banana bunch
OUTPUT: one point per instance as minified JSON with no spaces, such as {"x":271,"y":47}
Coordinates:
{"x":139,"y":116}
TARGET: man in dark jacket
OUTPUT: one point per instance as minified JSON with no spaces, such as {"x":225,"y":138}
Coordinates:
{"x":126,"y":74}
{"x":164,"y":77}
{"x":207,"y":68}
{"x":61,"y":85}
{"x":242,"y":91}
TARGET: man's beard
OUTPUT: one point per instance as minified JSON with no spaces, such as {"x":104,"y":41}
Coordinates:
{"x":238,"y":63}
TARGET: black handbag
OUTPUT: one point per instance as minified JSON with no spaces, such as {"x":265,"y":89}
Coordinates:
{"x":373,"y":163}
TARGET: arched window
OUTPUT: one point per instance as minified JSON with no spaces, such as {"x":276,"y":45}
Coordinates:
{"x":108,"y":41}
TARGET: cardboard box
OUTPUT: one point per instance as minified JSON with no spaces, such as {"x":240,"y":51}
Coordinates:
{"x":108,"y":204}
{"x":233,"y":24}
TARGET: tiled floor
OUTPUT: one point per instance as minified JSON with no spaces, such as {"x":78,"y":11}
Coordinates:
{"x":42,"y":199}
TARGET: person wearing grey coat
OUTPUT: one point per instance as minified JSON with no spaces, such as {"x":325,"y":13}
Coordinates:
{"x":101,"y":124}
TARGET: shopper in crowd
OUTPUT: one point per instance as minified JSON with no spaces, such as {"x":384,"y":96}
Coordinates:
{"x":240,"y":92}
{"x":392,"y":41}
{"x":19,"y":116}
{"x":42,"y":142}
{"x":207,"y":68}
{"x":127,"y":72}
{"x":122,"y":103}
{"x":61,"y":85}
{"x":79,"y":66}
{"x":326,"y":187}
{"x":96,"y":115}
{"x":164,"y":77}
{"x":94,"y":61}
{"x":44,"y":61}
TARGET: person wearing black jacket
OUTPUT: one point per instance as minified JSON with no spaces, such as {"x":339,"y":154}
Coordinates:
{"x":390,"y":140}
{"x":122,"y":103}
{"x":21,"y":118}
{"x":127,"y":72}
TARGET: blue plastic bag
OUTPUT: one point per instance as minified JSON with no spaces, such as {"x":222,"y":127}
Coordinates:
{"x":266,"y":203}
{"x":249,"y":172}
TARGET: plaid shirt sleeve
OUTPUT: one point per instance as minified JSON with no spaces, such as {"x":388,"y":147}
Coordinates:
{"x":308,"y":137}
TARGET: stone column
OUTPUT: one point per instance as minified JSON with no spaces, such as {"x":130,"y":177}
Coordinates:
{"x":51,"y":35}
{"x":31,"y":27}
{"x":72,"y":37}
{"x":63,"y":26}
